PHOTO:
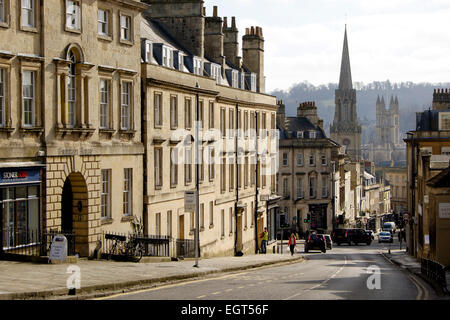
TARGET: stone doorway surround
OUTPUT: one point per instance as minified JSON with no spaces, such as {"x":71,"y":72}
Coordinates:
{"x":83,"y":173}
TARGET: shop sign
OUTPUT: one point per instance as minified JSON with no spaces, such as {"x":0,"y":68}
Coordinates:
{"x":19,"y":175}
{"x":444,"y":210}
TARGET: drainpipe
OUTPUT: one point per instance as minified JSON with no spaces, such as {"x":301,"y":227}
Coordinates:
{"x":256,"y":184}
{"x":237,"y":180}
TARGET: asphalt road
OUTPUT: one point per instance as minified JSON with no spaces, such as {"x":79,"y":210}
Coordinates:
{"x":346,"y":272}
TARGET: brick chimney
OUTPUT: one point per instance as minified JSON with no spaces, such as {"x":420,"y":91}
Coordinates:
{"x":309,"y":110}
{"x":214,"y":38}
{"x":230,"y":42}
{"x":184,"y":19}
{"x":253,"y":54}
{"x":281,"y":114}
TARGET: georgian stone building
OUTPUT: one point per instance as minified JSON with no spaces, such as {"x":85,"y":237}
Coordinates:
{"x":306,"y":170}
{"x":71,"y":156}
{"x":345,"y":128}
{"x":428,"y":158}
{"x":199,"y":66}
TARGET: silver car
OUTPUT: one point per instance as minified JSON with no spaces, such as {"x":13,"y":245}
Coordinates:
{"x":385,"y":237}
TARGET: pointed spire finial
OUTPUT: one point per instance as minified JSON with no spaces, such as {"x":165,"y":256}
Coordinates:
{"x":345,"y":80}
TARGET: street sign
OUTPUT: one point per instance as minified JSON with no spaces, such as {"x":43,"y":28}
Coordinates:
{"x":264,"y":197}
{"x":58,"y":249}
{"x":189,"y":201}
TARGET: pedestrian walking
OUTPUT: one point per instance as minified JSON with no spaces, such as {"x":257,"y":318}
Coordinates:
{"x":265,"y":237}
{"x":292,"y":243}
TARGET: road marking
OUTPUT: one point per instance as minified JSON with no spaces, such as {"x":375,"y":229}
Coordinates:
{"x":199,"y":297}
{"x":168,"y":286}
{"x":241,"y":287}
{"x":419,"y":289}
{"x":320,"y":284}
{"x":216,"y":292}
{"x":228,"y":290}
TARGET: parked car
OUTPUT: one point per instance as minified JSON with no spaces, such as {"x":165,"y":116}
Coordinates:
{"x":385,"y":236}
{"x":371,"y":233}
{"x":316,"y":242}
{"x":351,"y":235}
{"x":389,"y":226}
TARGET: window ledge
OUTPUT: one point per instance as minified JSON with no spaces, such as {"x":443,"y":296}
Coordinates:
{"x":67,"y":29}
{"x":107,"y":221}
{"x":202,"y":229}
{"x":222,"y":237}
{"x":4,"y":24}
{"x":29,"y":29}
{"x":32,"y":130}
{"x":128,"y":133}
{"x":75,"y":130}
{"x":191,"y":232}
{"x":6,"y":129}
{"x":126,"y":42}
{"x":104,"y":37}
{"x":211,"y":226}
{"x":107,"y":132}
{"x":127,"y":218}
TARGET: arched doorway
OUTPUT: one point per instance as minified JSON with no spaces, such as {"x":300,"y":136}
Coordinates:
{"x":74,"y":215}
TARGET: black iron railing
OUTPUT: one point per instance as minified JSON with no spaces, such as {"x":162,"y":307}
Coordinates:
{"x":31,"y":242}
{"x":114,"y":243}
{"x":185,"y":248}
{"x":434,"y":271}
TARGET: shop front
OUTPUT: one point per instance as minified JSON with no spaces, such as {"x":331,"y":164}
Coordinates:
{"x":20,"y":206}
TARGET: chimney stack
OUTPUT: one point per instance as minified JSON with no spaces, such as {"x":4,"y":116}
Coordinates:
{"x":253,"y":55}
{"x":214,"y":38}
{"x":230,"y":42}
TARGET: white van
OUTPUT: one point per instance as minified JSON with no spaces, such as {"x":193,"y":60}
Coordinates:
{"x":389,"y":226}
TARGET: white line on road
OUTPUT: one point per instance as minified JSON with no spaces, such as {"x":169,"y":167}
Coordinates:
{"x":322,"y":283}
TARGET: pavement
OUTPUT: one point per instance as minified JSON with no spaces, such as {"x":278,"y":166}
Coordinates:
{"x":411,"y":264}
{"x":25,"y":280}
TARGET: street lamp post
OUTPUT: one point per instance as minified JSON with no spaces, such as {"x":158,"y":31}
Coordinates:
{"x":197,"y":182}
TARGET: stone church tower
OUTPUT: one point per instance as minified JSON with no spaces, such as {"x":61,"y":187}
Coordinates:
{"x":345,"y":128}
{"x":387,"y":122}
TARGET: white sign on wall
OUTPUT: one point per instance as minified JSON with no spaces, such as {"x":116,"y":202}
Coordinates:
{"x":189,"y":201}
{"x":444,"y":210}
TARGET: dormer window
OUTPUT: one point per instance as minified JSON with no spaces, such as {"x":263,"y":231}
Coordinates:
{"x":312,"y":134}
{"x":148,"y":51}
{"x":299,"y":134}
{"x":167,"y":58}
{"x":198,"y":66}
{"x":242,"y":81}
{"x":235,"y":79}
{"x":253,"y":82}
{"x":180,"y":61}
{"x":215,"y":72}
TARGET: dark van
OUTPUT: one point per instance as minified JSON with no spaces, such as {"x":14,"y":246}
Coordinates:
{"x":350,"y":235}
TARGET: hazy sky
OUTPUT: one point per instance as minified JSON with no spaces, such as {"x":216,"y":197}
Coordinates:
{"x":399,"y":40}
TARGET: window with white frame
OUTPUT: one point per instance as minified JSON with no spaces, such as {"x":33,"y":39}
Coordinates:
{"x":198,"y":66}
{"x":285,"y":187}
{"x":188,"y":166}
{"x":211,"y":213}
{"x":231,"y":123}
{"x":235,"y":79}
{"x":211,"y":114}
{"x":125,"y":28}
{"x":180,"y":61}
{"x":187,"y":113}
{"x":299,"y":159}
{"x":158,"y":167}
{"x":211,"y":163}
{"x":28,"y":13}
{"x":285,"y":159}
{"x":167,"y":57}
{"x":222,"y":220}
{"x":169,"y":223}
{"x":127,"y":191}
{"x":28,"y":95}
{"x":222,"y":122}
{"x":215,"y":72}
{"x":173,"y":167}
{"x":105,"y":205}
{"x":104,"y":103}
{"x":299,"y":134}
{"x":242,"y":81}
{"x":2,"y":97}
{"x":202,"y":216}
{"x":71,"y":90}
{"x":157,"y":109}
{"x":103,"y":22}
{"x":324,"y":160}
{"x":125,"y":110}
{"x":158,"y":224}
{"x":230,"y":224}
{"x":324,"y":187}
{"x":312,"y":134}
{"x":253,"y":82}
{"x":173,"y":112}
{"x":73,"y":15}
{"x":148,"y":51}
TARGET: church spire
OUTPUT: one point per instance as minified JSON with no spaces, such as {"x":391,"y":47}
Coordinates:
{"x":345,"y":80}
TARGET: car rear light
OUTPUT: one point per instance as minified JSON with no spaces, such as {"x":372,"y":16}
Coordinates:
{"x":309,"y":238}
{"x":346,"y":234}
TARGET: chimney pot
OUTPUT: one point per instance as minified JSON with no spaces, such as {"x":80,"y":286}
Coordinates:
{"x":204,"y":11}
{"x":215,"y":11}
{"x":233,"y":22}
{"x":247,"y":31}
{"x":225,"y":22}
{"x":253,"y":31}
